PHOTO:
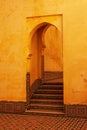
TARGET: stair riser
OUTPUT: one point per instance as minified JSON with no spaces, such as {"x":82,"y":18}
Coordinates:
{"x":47,"y":108}
{"x":52,"y":87}
{"x":52,"y":103}
{"x":59,"y":83}
{"x":57,"y":113}
{"x":44,"y":114}
{"x":46,"y":97}
{"x":49,"y":92}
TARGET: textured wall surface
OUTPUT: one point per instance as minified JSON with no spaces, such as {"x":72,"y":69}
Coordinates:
{"x":12,"y":51}
{"x":53,"y":51}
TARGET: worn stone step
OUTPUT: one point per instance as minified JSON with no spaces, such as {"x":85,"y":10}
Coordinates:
{"x":52,"y":83}
{"x":45,"y":112}
{"x":49,"y":91}
{"x":47,"y":96}
{"x":47,"y":106}
{"x":53,"y":87}
{"x":47,"y":101}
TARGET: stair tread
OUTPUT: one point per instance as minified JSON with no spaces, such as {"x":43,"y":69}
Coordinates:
{"x":43,"y":94}
{"x":47,"y":105}
{"x":45,"y":111}
{"x":52,"y":85}
{"x":48,"y":90}
{"x":52,"y":100}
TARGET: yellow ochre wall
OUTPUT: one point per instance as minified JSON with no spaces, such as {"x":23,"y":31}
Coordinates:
{"x":12,"y":51}
{"x":53,"y":59}
{"x":14,"y":46}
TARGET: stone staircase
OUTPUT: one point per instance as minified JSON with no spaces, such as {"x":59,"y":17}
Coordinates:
{"x":48,"y":99}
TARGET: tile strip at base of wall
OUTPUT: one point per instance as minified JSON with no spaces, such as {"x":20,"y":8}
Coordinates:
{"x":12,"y":107}
{"x":20,"y":107}
{"x":76,"y":110}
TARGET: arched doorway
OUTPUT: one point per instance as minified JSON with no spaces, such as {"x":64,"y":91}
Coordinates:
{"x":46,"y":62}
{"x":46,"y":50}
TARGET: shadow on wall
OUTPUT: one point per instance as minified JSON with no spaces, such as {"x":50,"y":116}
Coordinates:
{"x":48,"y":75}
{"x":35,"y":85}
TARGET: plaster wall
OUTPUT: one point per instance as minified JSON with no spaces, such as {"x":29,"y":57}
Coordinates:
{"x":35,"y":61}
{"x":53,"y":57}
{"x":12,"y":51}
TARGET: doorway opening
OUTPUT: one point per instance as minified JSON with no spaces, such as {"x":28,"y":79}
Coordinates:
{"x":46,"y":49}
{"x":46,"y":68}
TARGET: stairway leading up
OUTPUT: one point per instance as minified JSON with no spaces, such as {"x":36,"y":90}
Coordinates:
{"x":48,"y":99}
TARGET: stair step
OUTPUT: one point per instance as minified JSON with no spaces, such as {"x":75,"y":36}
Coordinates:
{"x":46,"y":101}
{"x":47,"y":106}
{"x":52,"y":83}
{"x":58,"y":87}
{"x":48,"y":96}
{"x":49,"y":91}
{"x":44,"y":112}
{"x":40,"y":89}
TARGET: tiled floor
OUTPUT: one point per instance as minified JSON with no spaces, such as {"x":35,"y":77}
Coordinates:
{"x":36,"y":122}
